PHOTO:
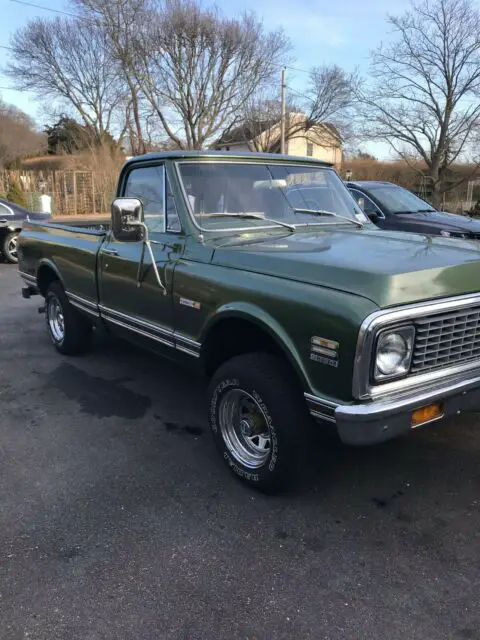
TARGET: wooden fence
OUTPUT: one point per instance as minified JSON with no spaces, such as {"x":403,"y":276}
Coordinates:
{"x":73,"y":192}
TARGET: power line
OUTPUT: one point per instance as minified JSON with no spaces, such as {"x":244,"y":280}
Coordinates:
{"x":291,"y":68}
{"x":39,"y":6}
{"x":79,"y":17}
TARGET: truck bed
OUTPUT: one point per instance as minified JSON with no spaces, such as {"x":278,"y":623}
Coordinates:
{"x":99,"y":222}
{"x":70,"y":250}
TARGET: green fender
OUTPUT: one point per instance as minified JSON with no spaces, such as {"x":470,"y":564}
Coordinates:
{"x":254,"y":314}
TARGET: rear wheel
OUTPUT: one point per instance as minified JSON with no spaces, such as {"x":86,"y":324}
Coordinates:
{"x":70,"y":332}
{"x":10,"y":247}
{"x":258,"y":418}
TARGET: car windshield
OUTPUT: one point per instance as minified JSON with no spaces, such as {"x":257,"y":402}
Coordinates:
{"x":399,"y":200}
{"x":235,"y":195}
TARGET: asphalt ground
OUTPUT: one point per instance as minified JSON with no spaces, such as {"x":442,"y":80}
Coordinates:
{"x":119,"y":520}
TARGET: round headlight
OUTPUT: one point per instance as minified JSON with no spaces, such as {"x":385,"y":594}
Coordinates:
{"x":392,"y":351}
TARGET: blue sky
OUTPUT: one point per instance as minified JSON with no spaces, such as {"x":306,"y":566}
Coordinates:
{"x":321,"y":31}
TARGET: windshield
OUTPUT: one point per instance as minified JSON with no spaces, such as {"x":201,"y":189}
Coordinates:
{"x":399,"y":200}
{"x":234,"y":195}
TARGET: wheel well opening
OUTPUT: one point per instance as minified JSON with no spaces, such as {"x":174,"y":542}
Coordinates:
{"x":234,"y":337}
{"x":46,"y":275}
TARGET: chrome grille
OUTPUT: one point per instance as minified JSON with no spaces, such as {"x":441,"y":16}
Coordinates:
{"x":446,"y":339}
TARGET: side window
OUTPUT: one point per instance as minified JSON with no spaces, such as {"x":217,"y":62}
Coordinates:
{"x":365,"y":203}
{"x":173,"y":221}
{"x":148,"y":184}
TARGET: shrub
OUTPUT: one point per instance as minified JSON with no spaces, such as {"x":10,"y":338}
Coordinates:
{"x":15,"y":194}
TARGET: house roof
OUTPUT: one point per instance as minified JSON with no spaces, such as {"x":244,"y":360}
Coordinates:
{"x":246,"y":132}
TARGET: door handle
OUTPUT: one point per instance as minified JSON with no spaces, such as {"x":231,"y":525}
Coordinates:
{"x":111,"y":252}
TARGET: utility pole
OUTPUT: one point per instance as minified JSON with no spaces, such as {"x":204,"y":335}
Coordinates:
{"x":282,"y":121}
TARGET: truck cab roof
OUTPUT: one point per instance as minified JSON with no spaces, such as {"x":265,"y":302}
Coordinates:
{"x":251,"y":156}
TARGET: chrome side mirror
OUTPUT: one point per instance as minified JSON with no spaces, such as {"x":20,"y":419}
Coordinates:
{"x":127,"y":220}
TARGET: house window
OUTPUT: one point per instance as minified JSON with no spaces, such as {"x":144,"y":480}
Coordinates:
{"x":309,"y":148}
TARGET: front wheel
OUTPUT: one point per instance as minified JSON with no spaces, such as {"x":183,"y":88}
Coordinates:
{"x":10,"y":247}
{"x":69,"y":331}
{"x":258,"y":418}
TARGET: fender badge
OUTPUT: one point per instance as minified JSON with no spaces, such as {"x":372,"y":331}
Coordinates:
{"x":324,"y":351}
{"x":190,"y":303}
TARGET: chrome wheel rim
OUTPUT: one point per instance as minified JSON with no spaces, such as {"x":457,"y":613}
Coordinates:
{"x":56,"y":320}
{"x":12,"y":246}
{"x":244,"y":428}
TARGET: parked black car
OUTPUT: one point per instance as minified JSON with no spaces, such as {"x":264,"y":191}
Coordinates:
{"x":392,"y":207}
{"x":11,"y":220}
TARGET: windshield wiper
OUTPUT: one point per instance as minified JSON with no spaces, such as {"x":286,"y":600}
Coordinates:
{"x":323,"y":212}
{"x":251,"y":216}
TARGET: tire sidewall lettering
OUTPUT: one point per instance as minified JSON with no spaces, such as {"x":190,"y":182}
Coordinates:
{"x":273,"y":433}
{"x":239,"y":470}
{"x":229,"y":383}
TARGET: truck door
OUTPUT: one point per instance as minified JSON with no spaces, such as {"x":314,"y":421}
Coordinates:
{"x":131,"y":300}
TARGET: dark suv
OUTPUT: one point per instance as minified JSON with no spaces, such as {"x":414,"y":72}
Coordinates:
{"x":392,"y":207}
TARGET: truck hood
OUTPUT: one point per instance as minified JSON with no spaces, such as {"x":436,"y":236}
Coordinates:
{"x":388,"y":268}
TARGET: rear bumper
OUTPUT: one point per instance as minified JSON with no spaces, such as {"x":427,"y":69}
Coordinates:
{"x":371,"y":422}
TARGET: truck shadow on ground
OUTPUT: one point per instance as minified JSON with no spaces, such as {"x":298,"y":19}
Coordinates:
{"x":161,"y":479}
{"x":173,"y":399}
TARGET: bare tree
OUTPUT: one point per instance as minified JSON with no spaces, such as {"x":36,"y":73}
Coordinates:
{"x":258,"y":125}
{"x":424,"y":101}
{"x":18,"y":135}
{"x":121,"y":21}
{"x":330,"y":98}
{"x":324,"y":111}
{"x":68,"y":61}
{"x":197,"y":69}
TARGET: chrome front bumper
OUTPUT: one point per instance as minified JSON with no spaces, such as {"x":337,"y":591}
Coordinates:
{"x":371,"y":422}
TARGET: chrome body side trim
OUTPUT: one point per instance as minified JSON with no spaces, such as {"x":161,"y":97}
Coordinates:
{"x":29,"y":278}
{"x":151,"y":330}
{"x":139,"y":326}
{"x":83,"y":301}
{"x":150,"y":326}
{"x":190,"y":352}
{"x":87,"y":306}
{"x":320,"y":409}
{"x":361,"y":387}
{"x":188,"y":341}
{"x":141,"y":332}
{"x":84,"y":309}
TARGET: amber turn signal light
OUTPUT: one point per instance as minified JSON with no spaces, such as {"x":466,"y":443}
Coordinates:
{"x":426,"y":414}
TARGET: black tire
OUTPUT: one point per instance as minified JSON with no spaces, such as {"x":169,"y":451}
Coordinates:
{"x":72,"y":334}
{"x":278,"y":407}
{"x":9,"y":247}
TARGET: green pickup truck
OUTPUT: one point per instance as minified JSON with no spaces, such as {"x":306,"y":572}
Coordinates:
{"x":295,"y":309}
